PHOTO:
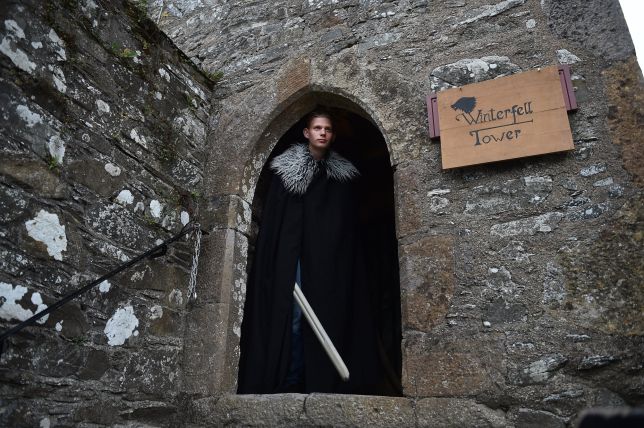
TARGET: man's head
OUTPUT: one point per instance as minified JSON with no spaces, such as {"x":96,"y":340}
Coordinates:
{"x":319,"y":132}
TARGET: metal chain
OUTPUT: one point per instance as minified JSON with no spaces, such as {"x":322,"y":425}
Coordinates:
{"x":192,"y":284}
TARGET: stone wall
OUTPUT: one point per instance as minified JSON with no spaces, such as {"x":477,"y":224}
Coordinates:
{"x":520,"y":280}
{"x":103,"y":152}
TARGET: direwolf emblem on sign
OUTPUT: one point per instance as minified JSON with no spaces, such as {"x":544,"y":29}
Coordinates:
{"x":465,"y":104}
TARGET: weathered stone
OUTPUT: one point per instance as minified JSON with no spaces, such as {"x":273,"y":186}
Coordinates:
{"x":205,"y":358}
{"x":444,"y":368}
{"x":588,"y":23}
{"x":467,"y":71}
{"x":159,"y":274}
{"x":96,"y":365}
{"x":427,"y":281}
{"x":625,"y":111}
{"x":35,"y":176}
{"x":501,"y":311}
{"x":541,"y":370}
{"x":529,"y":226}
{"x":451,"y":412}
{"x":593,"y":279}
{"x":537,"y":419}
{"x":259,"y":410}
{"x":93,"y":175}
{"x":358,"y":410}
{"x":596,"y":361}
{"x":109,"y":126}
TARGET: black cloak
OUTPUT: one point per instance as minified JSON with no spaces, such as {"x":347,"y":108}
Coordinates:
{"x":309,"y":214}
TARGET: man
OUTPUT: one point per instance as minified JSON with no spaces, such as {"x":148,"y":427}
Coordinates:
{"x":308,"y":234}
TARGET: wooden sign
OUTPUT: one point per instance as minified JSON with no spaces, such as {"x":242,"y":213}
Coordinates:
{"x":506,"y":118}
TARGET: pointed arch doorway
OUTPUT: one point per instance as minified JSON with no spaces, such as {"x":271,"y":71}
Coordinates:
{"x":359,"y":140}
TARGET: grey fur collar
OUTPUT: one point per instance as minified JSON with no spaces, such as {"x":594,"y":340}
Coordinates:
{"x":296,"y":167}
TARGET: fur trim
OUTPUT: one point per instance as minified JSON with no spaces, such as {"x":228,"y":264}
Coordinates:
{"x":297,"y":168}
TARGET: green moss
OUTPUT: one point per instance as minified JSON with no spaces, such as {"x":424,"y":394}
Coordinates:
{"x":192,"y":102}
{"x":122,"y":51}
{"x":215,"y":76}
{"x":53,"y":164}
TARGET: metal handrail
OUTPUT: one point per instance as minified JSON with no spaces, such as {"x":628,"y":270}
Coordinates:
{"x":192,"y":226}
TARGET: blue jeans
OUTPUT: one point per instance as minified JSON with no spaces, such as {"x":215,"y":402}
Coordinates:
{"x":296,"y":368}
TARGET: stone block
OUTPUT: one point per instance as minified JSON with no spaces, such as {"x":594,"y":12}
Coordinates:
{"x":259,"y":410}
{"x":626,"y":108}
{"x":205,"y":350}
{"x":529,"y":418}
{"x":597,"y":25}
{"x":358,"y":410}
{"x":295,"y":76}
{"x":539,"y":371}
{"x":427,"y":281}
{"x":453,"y":363}
{"x":222,"y":267}
{"x":228,"y":211}
{"x":92,"y":174}
{"x":444,"y":374}
{"x":151,"y":372}
{"x":35,"y":176}
{"x":159,"y":275}
{"x":454,"y":412}
{"x":96,"y":364}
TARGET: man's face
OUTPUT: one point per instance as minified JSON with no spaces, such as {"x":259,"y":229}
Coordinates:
{"x":319,"y":133}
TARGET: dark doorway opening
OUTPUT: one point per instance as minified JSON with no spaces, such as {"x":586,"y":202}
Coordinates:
{"x":360,"y":141}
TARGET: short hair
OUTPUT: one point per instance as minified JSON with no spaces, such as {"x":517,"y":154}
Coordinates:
{"x":318,"y":113}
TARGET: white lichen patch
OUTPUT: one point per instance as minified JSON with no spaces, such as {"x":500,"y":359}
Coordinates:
{"x":104,"y":286}
{"x":438,"y":192}
{"x":121,"y":326}
{"x":155,"y":208}
{"x":112,"y":169}
{"x":36,"y":299}
{"x":158,"y":96}
{"x":46,"y":228}
{"x":140,"y":139}
{"x":17,"y":56}
{"x":62,"y":56}
{"x":566,"y":57}
{"x":59,"y":78}
{"x":530,"y":24}
{"x":156,"y":312}
{"x":140,"y":206}
{"x":164,"y":74}
{"x":543,"y":223}
{"x":13,"y":27}
{"x":112,"y":251}
{"x":59,"y":326}
{"x":185,"y":218}
{"x":102,"y":106}
{"x":28,"y":116}
{"x":88,"y":7}
{"x":56,"y":147}
{"x":176,"y":297}
{"x":592,"y":170}
{"x":36,"y":45}
{"x":125,"y":197}
{"x":602,"y":183}
{"x":10,"y":309}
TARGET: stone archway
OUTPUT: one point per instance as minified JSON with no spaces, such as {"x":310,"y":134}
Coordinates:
{"x":212,"y":327}
{"x":360,"y":141}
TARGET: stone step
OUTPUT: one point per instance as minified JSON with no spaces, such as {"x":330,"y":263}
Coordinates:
{"x":288,"y":410}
